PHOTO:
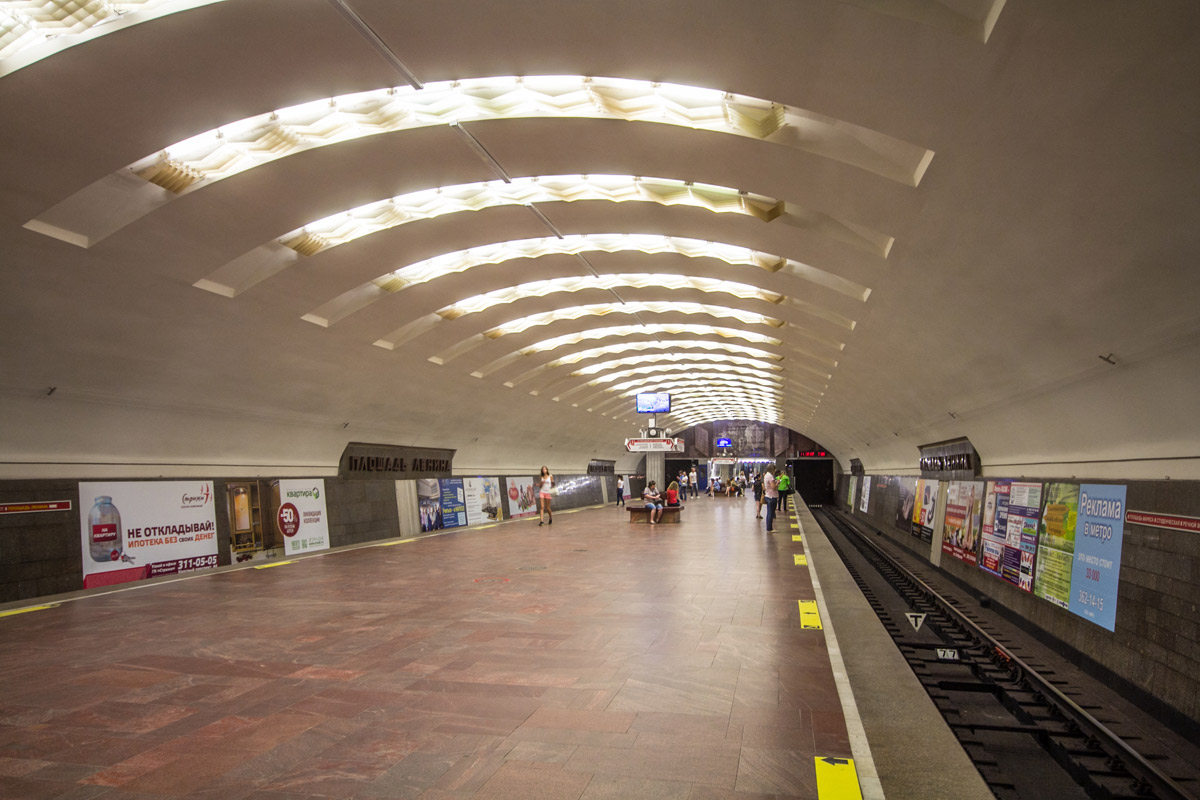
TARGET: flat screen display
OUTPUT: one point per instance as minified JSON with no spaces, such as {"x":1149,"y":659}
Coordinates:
{"x":724,"y":443}
{"x":653,"y":403}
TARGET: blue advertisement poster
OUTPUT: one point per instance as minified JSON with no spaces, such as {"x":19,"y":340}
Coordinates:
{"x":454,"y":503}
{"x":1099,"y":530}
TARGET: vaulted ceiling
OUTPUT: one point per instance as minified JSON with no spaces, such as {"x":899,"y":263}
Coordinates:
{"x":237,"y":234}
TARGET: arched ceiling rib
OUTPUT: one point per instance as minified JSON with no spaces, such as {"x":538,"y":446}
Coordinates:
{"x":236,"y":146}
{"x":918,"y":298}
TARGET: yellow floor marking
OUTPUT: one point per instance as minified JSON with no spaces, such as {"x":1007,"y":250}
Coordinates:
{"x":797,"y":537}
{"x":393,"y":544}
{"x":16,"y":611}
{"x":836,"y":779}
{"x":801,"y":561}
{"x":273,"y":564}
{"x":810,"y":618}
{"x":795,"y":524}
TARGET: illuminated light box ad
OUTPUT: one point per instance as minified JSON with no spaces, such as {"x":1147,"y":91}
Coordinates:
{"x":482,"y":500}
{"x":1024,"y":507}
{"x":302,"y":517}
{"x":653,"y":403}
{"x":137,"y":530}
{"x":925,"y":509}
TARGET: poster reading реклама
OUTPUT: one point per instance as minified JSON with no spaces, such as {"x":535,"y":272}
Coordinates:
{"x":141,"y":529}
{"x":1099,"y":529}
{"x":302,"y":518}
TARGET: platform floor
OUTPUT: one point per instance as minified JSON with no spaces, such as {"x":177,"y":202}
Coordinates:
{"x":588,"y":659}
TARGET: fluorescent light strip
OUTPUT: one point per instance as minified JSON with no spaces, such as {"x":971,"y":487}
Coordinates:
{"x":240,"y":145}
{"x":625,"y":347}
{"x":618,"y":368}
{"x":616,"y":331}
{"x":512,"y":294}
{"x":633,"y":307}
{"x":459,"y":261}
{"x":334,"y":230}
{"x":31,"y":30}
{"x":638,"y":377}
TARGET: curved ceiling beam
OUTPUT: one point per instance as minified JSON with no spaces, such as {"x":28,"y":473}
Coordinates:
{"x":617,"y":331}
{"x":663,"y":373}
{"x":240,"y":145}
{"x":626,"y":347}
{"x":632,"y":308}
{"x":605,"y":283}
{"x":660,"y":360}
{"x":270,"y":258}
{"x":440,"y":266}
{"x":31,"y":30}
{"x":607,"y":397}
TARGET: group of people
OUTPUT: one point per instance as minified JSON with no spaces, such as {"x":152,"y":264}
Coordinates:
{"x":768,"y":489}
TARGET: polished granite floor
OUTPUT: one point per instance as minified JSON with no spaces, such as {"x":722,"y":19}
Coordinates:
{"x":588,"y":659}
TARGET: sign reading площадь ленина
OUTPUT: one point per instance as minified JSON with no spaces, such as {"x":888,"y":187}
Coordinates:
{"x":365,"y":461}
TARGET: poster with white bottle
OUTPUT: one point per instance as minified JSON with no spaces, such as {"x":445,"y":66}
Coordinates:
{"x":302,"y":518}
{"x":136,"y":530}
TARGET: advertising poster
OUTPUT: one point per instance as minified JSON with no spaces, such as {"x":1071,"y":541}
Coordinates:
{"x":522,"y":500}
{"x":853,"y":491}
{"x":454,"y":503}
{"x":964,"y":513}
{"x":441,"y":503}
{"x":1099,"y":530}
{"x":1056,"y":543}
{"x":864,"y":501}
{"x":136,"y":530}
{"x":925,"y":509}
{"x":1024,"y":506}
{"x":302,"y":517}
{"x":994,"y":527}
{"x":906,"y":496}
{"x":482,"y":500}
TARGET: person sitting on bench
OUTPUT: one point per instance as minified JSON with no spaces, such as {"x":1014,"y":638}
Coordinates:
{"x":673,"y":495}
{"x":654,"y":502}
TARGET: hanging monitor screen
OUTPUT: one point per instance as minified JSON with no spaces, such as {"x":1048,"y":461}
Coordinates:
{"x":653,"y":403}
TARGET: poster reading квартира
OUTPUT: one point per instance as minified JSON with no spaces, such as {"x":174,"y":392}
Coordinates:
{"x":135,"y":530}
{"x":302,"y":518}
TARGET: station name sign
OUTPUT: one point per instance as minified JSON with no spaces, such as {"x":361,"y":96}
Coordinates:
{"x":945,"y":463}
{"x":363,"y":461}
{"x":954,"y":460}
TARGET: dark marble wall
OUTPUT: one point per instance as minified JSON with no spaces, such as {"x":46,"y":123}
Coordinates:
{"x":1155,"y":646}
{"x":41,"y":553}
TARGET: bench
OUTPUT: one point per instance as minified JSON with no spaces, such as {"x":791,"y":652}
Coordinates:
{"x":641,"y":514}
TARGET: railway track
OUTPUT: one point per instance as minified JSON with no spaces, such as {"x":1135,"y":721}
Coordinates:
{"x":1030,"y":733}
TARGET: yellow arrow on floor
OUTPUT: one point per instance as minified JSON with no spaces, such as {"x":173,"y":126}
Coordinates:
{"x":801,"y":561}
{"x":837,"y":779}
{"x":810,"y":618}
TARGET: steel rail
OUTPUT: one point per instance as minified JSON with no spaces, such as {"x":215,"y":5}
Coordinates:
{"x":1145,"y":772}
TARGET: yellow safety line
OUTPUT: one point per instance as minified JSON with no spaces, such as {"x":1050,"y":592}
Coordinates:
{"x":801,"y":561}
{"x":273,"y":564}
{"x":393,"y":544}
{"x":16,"y":611}
{"x":810,"y":617}
{"x":837,"y":779}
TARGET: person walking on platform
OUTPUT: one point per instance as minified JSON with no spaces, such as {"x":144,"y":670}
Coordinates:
{"x":620,"y":490}
{"x":785,"y":489}
{"x":771,"y":492}
{"x":693,"y":483}
{"x":545,"y":492}
{"x":758,"y":495}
